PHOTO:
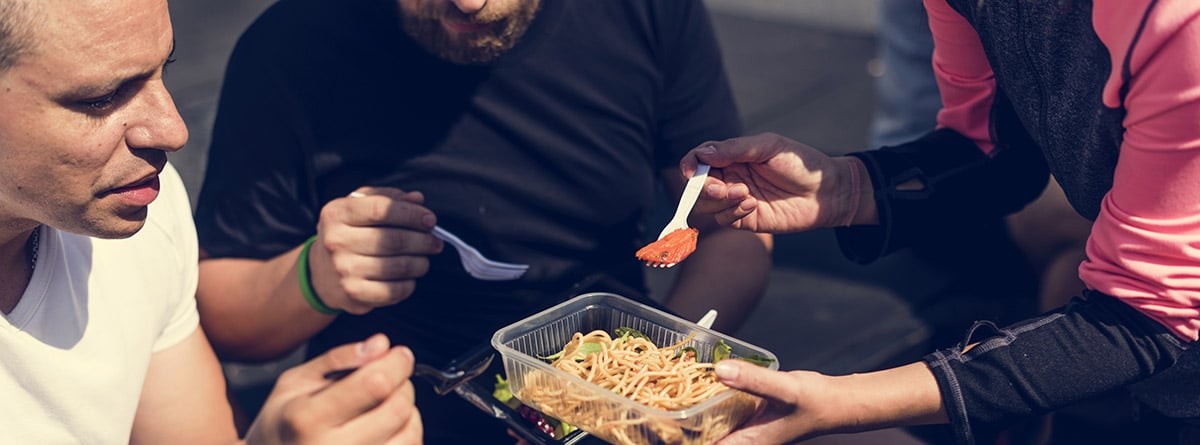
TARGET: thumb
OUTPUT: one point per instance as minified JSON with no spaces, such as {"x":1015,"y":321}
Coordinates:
{"x":346,"y":358}
{"x":751,"y":378}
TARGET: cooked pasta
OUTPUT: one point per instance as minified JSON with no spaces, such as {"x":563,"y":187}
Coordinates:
{"x":667,"y":378}
{"x":637,"y":369}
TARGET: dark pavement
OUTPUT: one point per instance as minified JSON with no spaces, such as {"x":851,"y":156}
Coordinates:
{"x":810,"y":83}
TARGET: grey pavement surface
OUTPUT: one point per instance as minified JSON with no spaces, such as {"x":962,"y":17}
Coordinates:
{"x":799,"y":68}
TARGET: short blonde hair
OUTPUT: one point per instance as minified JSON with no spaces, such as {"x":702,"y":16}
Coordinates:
{"x":15,"y":25}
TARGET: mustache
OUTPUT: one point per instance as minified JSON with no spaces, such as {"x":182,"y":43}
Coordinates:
{"x":489,"y":13}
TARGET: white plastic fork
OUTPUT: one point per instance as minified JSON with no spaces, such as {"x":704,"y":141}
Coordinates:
{"x":691,"y":191}
{"x":708,"y":319}
{"x":476,"y":264}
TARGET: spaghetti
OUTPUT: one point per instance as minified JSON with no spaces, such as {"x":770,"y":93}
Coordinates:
{"x":668,"y":378}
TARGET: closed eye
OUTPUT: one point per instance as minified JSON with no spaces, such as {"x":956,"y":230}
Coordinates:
{"x":102,"y":103}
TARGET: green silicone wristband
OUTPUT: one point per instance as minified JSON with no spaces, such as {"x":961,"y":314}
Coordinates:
{"x":306,"y":289}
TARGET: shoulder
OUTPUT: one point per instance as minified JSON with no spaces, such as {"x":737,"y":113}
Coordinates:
{"x":1150,"y":22}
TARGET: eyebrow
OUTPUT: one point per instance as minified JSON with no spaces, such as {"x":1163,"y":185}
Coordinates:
{"x":85,"y":91}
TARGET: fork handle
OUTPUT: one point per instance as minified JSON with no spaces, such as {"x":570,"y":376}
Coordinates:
{"x":690,"y":192}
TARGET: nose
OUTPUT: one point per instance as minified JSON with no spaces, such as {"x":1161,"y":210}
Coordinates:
{"x":158,"y":124}
{"x":469,"y":6}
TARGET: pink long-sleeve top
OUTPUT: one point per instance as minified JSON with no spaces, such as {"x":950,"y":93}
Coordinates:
{"x":1144,"y":247}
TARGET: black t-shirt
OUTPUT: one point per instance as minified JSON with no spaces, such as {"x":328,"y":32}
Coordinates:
{"x":547,"y":157}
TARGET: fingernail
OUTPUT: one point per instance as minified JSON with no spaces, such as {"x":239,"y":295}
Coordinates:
{"x":726,"y":371}
{"x":357,"y":195}
{"x":407,"y":353}
{"x":707,"y":149}
{"x":428,"y":220}
{"x":712,"y":190}
{"x":373,"y":346}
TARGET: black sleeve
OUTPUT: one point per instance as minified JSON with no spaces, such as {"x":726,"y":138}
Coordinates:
{"x":257,"y":199}
{"x":943,"y":181}
{"x":697,"y":100}
{"x":1089,"y":347}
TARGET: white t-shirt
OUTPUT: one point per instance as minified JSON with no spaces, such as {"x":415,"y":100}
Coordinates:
{"x":75,"y":350}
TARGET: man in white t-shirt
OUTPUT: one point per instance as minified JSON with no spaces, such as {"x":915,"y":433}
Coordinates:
{"x":99,"y":338}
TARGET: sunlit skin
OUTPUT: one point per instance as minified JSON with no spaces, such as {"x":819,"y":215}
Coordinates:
{"x":86,"y":121}
{"x":467,"y":31}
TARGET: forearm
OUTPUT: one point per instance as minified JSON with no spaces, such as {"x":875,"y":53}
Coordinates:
{"x":924,"y":187}
{"x":728,"y":272}
{"x":1085,"y":349}
{"x":902,"y":396}
{"x":252,"y":310}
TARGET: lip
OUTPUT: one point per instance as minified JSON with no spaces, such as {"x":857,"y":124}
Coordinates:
{"x":140,"y":192}
{"x":464,"y":27}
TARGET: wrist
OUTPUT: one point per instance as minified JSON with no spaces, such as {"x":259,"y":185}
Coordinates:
{"x":305,"y":281}
{"x":858,"y":201}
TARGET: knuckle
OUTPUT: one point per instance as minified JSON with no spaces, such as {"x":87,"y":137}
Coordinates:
{"x":359,"y":294}
{"x":297,"y":421}
{"x":379,"y":385}
{"x":411,"y":267}
{"x":419,"y":266}
{"x":404,"y":289}
{"x":378,"y":210}
{"x":342,"y":265}
{"x":288,"y":378}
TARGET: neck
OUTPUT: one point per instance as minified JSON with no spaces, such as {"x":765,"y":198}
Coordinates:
{"x":16,"y":267}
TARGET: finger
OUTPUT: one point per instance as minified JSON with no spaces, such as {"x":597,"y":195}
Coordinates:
{"x":754,"y":379}
{"x":687,"y":164}
{"x":366,"y":388}
{"x":717,"y":196}
{"x":748,"y":150}
{"x":727,"y":204}
{"x":309,"y":377}
{"x":734,"y":216}
{"x":383,"y":207}
{"x":383,"y":423}
{"x":351,"y":355}
{"x":383,"y":241}
{"x":752,"y":435}
{"x":365,"y":295}
{"x":383,"y":268}
{"x":413,"y":432}
{"x":392,"y":192}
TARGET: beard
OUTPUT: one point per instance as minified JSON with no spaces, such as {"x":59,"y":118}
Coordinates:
{"x":502,"y":25}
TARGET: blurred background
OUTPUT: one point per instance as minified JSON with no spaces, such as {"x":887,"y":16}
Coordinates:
{"x":801,"y":68}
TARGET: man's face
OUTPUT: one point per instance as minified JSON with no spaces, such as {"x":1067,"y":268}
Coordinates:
{"x":468,"y":32}
{"x":85,"y":121}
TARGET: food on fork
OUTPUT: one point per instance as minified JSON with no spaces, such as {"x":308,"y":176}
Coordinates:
{"x":677,"y":240}
{"x":670,"y":249}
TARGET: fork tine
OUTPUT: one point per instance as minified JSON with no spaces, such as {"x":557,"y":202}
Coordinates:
{"x":476,"y":264}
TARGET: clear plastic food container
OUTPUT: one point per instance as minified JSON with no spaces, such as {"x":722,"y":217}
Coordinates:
{"x":604,"y":413}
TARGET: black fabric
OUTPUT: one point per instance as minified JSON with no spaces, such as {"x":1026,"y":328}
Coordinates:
{"x":937,"y":185}
{"x":546,"y":157}
{"x":1047,"y":57}
{"x":1089,"y":348}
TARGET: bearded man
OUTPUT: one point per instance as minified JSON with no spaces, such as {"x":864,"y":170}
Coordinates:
{"x":534,"y":130}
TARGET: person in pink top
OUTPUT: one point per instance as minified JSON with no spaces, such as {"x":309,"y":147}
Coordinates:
{"x":1102,"y":94}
